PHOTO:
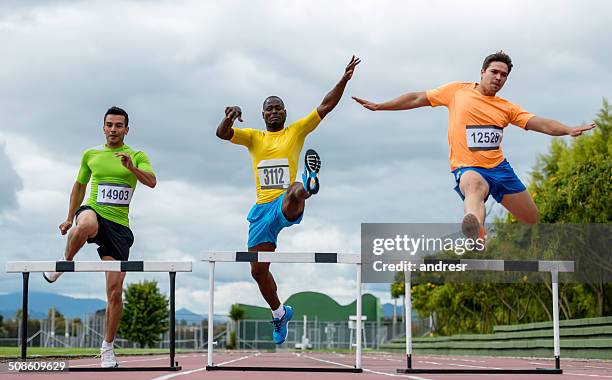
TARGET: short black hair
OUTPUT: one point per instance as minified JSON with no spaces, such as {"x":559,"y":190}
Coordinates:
{"x":273,"y":97}
{"x":117,"y":111}
{"x":499,"y":56}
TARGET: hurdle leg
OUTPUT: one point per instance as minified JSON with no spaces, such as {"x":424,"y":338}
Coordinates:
{"x":172,"y":318}
{"x":24,"y":317}
{"x":408,"y":318}
{"x":556,"y":334}
{"x":211,"y":307}
{"x":358,"y":312}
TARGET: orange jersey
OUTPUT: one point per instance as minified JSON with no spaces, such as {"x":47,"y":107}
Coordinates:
{"x":476,"y":123}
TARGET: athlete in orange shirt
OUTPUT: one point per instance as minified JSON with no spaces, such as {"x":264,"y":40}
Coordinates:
{"x":476,"y":121}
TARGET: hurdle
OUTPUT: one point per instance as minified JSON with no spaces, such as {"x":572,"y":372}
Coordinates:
{"x":172,"y":267}
{"x":281,"y":257}
{"x":554,"y":267}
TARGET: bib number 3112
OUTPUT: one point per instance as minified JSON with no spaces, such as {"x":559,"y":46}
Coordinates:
{"x":113,"y":194}
{"x":483,"y":137}
{"x":274,"y":174}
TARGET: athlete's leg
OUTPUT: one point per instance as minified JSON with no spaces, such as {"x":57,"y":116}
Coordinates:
{"x":522,"y":207}
{"x":475,"y":190}
{"x":294,"y":201}
{"x":86,"y":228}
{"x":263,"y":277}
{"x":114,"y":305}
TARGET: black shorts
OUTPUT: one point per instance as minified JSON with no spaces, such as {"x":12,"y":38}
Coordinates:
{"x":113,"y":239}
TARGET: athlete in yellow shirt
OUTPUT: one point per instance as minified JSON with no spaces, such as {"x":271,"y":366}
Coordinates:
{"x":280,"y":201}
{"x":476,"y":121}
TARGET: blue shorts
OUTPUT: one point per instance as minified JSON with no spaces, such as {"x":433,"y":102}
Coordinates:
{"x":501,"y":179}
{"x":267,"y":220}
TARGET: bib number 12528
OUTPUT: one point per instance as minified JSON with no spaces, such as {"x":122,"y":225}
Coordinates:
{"x":483,"y":137}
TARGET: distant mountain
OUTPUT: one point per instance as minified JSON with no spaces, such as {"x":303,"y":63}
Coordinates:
{"x":39,"y":304}
{"x":191,"y":317}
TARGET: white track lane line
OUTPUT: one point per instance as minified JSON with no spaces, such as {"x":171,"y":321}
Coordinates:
{"x":367,"y":370}
{"x":588,"y":375}
{"x":460,"y":365}
{"x":170,"y":376}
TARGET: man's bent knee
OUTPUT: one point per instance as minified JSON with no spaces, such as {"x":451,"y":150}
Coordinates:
{"x":473,"y":185}
{"x":85,"y":231}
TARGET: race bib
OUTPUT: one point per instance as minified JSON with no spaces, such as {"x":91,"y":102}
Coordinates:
{"x":274,"y":174}
{"x":483,"y":137}
{"x":114,"y":194}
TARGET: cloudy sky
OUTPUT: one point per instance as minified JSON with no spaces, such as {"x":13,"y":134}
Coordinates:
{"x":175,"y":65}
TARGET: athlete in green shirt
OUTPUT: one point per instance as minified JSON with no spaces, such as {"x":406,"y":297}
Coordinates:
{"x":114,"y":169}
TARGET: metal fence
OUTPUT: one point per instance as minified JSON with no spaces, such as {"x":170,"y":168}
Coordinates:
{"x":254,"y":334}
{"x":88,"y":332}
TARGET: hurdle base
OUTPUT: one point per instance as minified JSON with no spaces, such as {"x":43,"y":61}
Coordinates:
{"x":283,"y":369}
{"x":492,"y":371}
{"x":123,"y":369}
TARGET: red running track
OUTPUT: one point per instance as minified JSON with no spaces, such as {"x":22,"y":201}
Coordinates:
{"x":376,"y":366}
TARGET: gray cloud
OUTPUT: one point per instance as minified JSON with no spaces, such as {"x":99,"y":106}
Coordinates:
{"x":175,"y":67}
{"x":10,"y":182}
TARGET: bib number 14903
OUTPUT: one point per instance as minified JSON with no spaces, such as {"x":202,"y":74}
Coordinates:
{"x":483,"y":137}
{"x":113,"y":194}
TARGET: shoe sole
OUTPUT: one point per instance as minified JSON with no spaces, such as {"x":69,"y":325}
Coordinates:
{"x":470,"y":226}
{"x":46,"y":279}
{"x":313,"y":165}
{"x":313,"y":161}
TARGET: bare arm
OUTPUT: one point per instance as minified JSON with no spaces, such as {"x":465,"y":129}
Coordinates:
{"x":403,"y":102}
{"x":333,"y":97}
{"x":555,"y":128}
{"x":76,"y":198}
{"x":146,"y":178}
{"x":225,"y":130}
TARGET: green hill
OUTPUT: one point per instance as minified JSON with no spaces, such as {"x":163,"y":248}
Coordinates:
{"x":318,"y":305}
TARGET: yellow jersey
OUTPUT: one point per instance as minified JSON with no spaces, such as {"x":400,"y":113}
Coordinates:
{"x":275,"y":155}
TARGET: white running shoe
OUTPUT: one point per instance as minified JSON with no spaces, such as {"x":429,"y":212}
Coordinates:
{"x":108,"y":358}
{"x":51,"y":277}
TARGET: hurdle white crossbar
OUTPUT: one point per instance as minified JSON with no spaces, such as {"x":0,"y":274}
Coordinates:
{"x":554,"y":267}
{"x":172,"y":267}
{"x":98,"y":266}
{"x":281,"y":257}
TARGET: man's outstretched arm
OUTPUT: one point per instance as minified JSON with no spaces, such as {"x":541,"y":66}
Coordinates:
{"x":225,"y":130}
{"x":555,"y":128}
{"x":403,"y":102}
{"x":333,"y":97}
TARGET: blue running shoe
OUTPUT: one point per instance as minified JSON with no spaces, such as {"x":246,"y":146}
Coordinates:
{"x":312,"y":165}
{"x":280,"y":325}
